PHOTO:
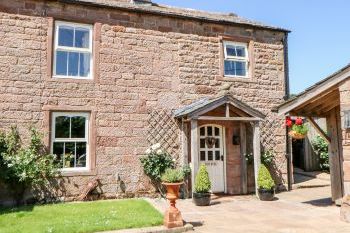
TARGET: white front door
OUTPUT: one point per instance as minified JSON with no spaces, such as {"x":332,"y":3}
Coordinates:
{"x":211,"y":153}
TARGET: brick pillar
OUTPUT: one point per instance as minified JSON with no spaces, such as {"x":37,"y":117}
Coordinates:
{"x":344,"y":90}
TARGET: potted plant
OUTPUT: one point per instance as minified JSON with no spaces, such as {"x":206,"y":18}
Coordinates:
{"x":298,"y":129}
{"x":201,"y":195}
{"x":172,"y":179}
{"x":266,"y":185}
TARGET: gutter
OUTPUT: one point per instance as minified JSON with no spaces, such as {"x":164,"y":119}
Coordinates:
{"x":137,"y":9}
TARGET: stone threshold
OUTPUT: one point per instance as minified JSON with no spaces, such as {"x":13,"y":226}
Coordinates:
{"x":158,"y":229}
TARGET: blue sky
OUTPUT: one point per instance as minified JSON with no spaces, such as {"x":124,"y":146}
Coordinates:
{"x":319,"y":43}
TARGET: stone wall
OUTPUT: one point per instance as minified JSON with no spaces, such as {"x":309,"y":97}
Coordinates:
{"x":143,"y":62}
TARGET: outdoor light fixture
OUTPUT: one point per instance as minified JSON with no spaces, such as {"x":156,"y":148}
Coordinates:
{"x":235,"y":140}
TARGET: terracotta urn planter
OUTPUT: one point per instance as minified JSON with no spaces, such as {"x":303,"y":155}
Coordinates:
{"x":172,"y":217}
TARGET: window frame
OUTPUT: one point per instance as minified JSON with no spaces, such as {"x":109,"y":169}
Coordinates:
{"x":72,"y":49}
{"x":85,"y":139}
{"x":236,"y":58}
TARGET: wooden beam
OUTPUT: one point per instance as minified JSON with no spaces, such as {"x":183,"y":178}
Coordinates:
{"x":257,"y":153}
{"x":194,"y":151}
{"x":214,"y":118}
{"x":243,"y":145}
{"x":184,"y":142}
{"x":334,"y":156}
{"x":319,"y":130}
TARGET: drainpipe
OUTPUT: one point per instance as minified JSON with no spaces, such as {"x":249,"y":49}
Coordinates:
{"x":286,"y":96}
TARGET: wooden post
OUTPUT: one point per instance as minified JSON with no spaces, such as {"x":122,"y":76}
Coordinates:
{"x":244,"y":172}
{"x":334,"y":157}
{"x":184,"y":142}
{"x":194,"y":151}
{"x":257,"y":153}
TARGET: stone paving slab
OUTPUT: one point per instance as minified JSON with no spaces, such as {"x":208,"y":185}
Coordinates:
{"x":293,"y":212}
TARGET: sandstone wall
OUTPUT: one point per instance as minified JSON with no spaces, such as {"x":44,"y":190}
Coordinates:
{"x":144,"y":63}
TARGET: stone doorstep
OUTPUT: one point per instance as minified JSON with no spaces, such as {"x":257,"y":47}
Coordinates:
{"x":159,"y":229}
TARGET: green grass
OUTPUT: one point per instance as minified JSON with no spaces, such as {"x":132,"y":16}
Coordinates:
{"x":79,"y":217}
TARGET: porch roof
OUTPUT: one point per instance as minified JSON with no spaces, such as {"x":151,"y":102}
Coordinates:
{"x":205,"y":105}
{"x":317,"y":100}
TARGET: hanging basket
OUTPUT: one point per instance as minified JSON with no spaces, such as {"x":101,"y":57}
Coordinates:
{"x":296,"y":135}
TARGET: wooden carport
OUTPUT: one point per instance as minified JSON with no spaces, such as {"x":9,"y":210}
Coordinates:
{"x":326,"y":99}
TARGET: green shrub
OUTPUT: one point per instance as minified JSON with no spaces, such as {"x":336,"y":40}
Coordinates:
{"x":265,"y":180}
{"x":202,"y":182}
{"x":23,"y":168}
{"x":267,"y":157}
{"x":320,"y":147}
{"x":173,"y":176}
{"x":301,"y":129}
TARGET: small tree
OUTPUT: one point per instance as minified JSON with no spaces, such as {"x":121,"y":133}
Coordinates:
{"x":22,"y":167}
{"x":202,"y":183}
{"x":265,"y":180}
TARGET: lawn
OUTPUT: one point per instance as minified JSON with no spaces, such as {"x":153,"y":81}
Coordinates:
{"x":79,"y":217}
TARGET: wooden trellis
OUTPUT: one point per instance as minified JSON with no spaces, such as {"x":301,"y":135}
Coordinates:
{"x":163,"y":129}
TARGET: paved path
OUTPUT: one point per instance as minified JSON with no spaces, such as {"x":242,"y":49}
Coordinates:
{"x":294,"y":212}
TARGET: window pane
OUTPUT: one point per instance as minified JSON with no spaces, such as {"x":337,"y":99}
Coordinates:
{"x":81,"y":38}
{"x":202,"y":155}
{"x":210,"y":155}
{"x":73,"y":65}
{"x":231,"y":50}
{"x":84,"y":68}
{"x":217,"y":143}
{"x":202,"y":143}
{"x":78,"y":127}
{"x":58,"y":151}
{"x":69,"y":154}
{"x":229,"y":67}
{"x":240,"y":68}
{"x":210,"y":131}
{"x":240,"y":50}
{"x":202,"y":131}
{"x":62,"y":127}
{"x":217,"y":131}
{"x":217,"y":155}
{"x":65,"y":36}
{"x":81,"y":154}
{"x":61,"y":63}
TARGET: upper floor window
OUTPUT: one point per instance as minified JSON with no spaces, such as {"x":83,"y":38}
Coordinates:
{"x":70,"y":139}
{"x":236,"y":59}
{"x":73,"y":50}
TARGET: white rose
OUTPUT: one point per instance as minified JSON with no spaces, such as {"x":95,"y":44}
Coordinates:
{"x":148,"y":151}
{"x":159,"y":151}
{"x":155,"y":146}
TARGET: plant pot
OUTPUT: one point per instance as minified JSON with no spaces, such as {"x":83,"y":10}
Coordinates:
{"x":172,"y":217}
{"x":296,"y":135}
{"x":201,"y":199}
{"x":266,"y":194}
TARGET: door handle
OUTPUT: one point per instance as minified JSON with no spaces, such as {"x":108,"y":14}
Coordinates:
{"x":222,"y":158}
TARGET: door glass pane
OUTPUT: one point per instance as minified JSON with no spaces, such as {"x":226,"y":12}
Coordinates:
{"x":217,"y":131}
{"x":210,"y":131}
{"x":217,"y":143}
{"x":81,"y":154}
{"x":81,"y":38}
{"x":217,"y":155}
{"x":210,"y":155}
{"x":58,"y":151}
{"x":202,"y":143}
{"x":202,"y":131}
{"x":62,"y":127}
{"x":78,"y":127}
{"x":202,"y":156}
{"x":84,"y":68}
{"x":73,"y":64}
{"x":61,"y":63}
{"x":69,"y":154}
{"x":65,"y":36}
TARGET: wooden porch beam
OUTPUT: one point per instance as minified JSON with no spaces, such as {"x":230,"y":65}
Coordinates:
{"x":256,"y":149}
{"x":213,"y":118}
{"x":194,"y":151}
{"x":319,"y":130}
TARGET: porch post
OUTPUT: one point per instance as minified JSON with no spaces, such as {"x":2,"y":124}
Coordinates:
{"x":244,"y":174}
{"x":256,"y":148}
{"x":194,"y":151}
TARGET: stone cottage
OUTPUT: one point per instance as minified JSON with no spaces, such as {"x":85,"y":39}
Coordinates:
{"x":105,"y":79}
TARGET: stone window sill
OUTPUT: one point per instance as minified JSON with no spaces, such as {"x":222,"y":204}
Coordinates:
{"x":78,"y":173}
{"x":235,"y":79}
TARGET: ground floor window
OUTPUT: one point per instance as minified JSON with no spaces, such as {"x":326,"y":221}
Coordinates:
{"x":70,"y":139}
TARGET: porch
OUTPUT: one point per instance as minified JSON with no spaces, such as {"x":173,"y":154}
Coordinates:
{"x":220,"y":133}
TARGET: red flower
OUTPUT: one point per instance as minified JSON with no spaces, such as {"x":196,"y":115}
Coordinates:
{"x":299,"y":121}
{"x":289,"y":122}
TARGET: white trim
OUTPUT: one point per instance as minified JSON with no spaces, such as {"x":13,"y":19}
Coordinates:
{"x":86,"y":139}
{"x":225,"y":157}
{"x":236,"y":58}
{"x":88,"y":50}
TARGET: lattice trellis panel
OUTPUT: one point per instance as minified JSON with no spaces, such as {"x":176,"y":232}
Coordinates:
{"x":163,"y":129}
{"x":268,"y":130}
